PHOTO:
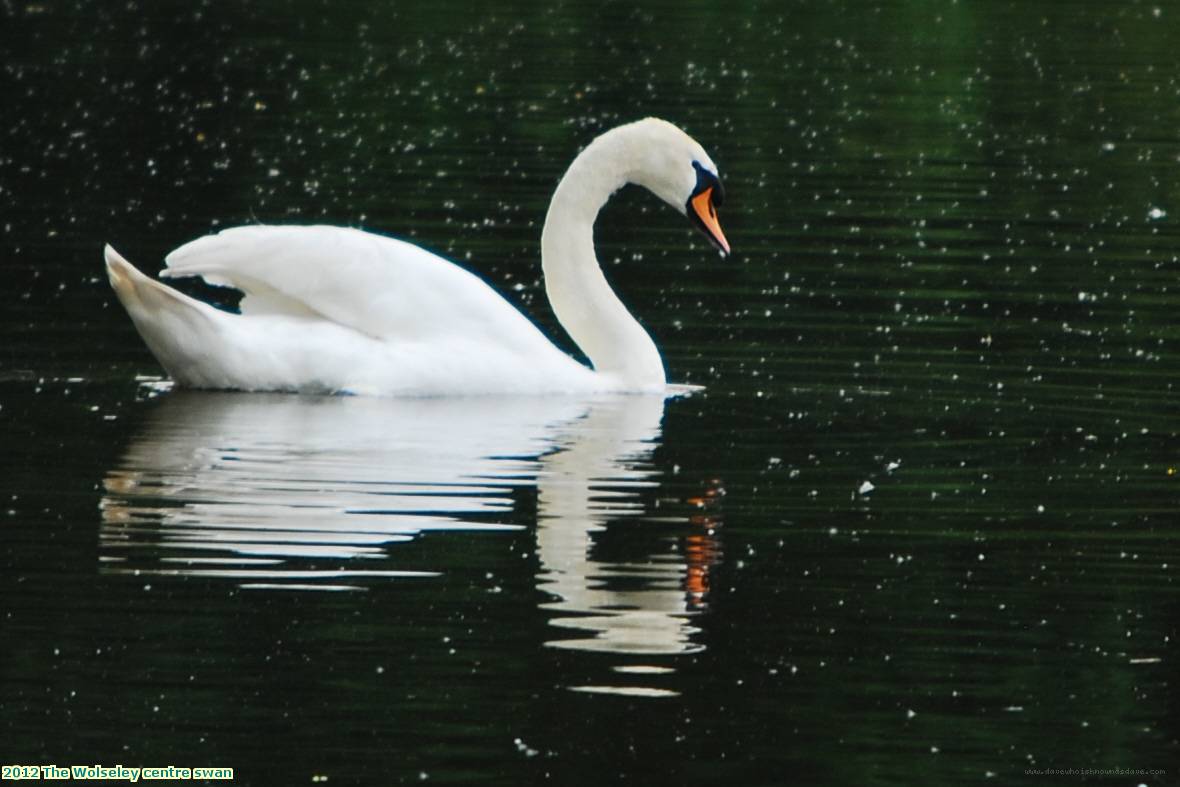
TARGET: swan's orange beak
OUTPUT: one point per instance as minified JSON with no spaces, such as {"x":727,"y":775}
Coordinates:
{"x":704,"y":213}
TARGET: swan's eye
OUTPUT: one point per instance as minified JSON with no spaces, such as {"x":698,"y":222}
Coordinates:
{"x":702,"y":207}
{"x":707,"y":180}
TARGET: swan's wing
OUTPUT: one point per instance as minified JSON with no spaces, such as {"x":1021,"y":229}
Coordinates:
{"x":379,"y":286}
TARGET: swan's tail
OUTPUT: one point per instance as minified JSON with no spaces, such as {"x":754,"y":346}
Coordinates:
{"x":135,"y":291}
{"x":175,"y":327}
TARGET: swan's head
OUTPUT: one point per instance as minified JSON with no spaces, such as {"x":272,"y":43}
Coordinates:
{"x":674,"y":167}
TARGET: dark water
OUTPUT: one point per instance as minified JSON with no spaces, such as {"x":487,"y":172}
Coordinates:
{"x":919,"y":529}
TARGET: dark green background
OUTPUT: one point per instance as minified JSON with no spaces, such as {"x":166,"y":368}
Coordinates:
{"x":955,"y":235}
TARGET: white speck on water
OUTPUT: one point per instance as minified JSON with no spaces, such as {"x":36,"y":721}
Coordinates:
{"x":1155,"y":214}
{"x":866,"y":487}
{"x":909,"y":714}
{"x":1040,"y":509}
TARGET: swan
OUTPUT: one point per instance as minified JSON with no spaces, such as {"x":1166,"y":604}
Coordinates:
{"x":339,"y":310}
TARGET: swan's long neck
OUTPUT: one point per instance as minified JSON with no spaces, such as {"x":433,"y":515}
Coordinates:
{"x":587,"y":307}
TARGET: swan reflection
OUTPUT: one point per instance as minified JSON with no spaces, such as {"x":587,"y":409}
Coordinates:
{"x":639,"y":604}
{"x":279,"y":491}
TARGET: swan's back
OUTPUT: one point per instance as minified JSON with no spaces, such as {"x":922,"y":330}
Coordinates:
{"x":379,"y":286}
{"x":329,"y":309}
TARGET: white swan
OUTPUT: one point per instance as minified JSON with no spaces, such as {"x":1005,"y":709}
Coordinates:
{"x":330,"y":309}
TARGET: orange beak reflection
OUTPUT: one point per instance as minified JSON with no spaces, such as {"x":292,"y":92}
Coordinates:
{"x":706,"y":215}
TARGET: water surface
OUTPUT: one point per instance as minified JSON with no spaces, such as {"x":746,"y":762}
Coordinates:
{"x":917,"y":529}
